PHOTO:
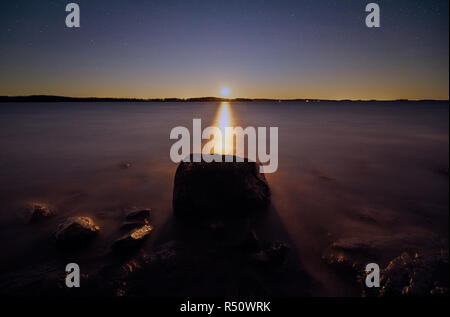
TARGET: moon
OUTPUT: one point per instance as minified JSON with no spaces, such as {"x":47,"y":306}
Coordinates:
{"x":225,"y":92}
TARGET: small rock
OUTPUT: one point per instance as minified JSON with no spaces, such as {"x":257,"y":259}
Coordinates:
{"x":138,"y":214}
{"x":76,"y":229}
{"x":129,"y":225}
{"x":341,"y":262}
{"x":124,"y":165}
{"x":133,"y":239}
{"x":39,"y":212}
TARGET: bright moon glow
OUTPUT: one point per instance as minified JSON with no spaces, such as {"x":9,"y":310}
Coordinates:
{"x":222,"y":120}
{"x":223,"y":116}
{"x":225,"y":92}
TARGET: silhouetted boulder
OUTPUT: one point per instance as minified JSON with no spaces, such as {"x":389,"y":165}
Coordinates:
{"x":76,"y":229}
{"x":217,"y":189}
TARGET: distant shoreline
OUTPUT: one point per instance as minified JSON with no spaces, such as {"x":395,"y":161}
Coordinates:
{"x":49,"y":98}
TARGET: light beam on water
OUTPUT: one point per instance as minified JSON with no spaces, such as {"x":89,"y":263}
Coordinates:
{"x":222,"y":120}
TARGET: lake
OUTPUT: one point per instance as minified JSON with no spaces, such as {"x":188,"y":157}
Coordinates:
{"x":349,"y":172}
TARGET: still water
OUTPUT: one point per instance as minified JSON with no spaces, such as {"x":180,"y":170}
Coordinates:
{"x":346,"y":171}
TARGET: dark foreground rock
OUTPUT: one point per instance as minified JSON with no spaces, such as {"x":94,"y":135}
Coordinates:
{"x":219,"y":189}
{"x":176,"y":269}
{"x":413,"y":275}
{"x":414,"y":272}
{"x":76,"y":229}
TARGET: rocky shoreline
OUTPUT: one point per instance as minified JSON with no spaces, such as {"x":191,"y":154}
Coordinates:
{"x":216,"y":247}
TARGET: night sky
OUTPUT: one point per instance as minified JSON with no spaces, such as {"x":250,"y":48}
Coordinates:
{"x":257,"y":49}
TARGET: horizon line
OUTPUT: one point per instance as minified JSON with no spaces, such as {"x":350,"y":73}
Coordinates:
{"x":203,"y":98}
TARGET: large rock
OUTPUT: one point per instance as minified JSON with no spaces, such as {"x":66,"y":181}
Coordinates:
{"x":76,"y":229}
{"x":219,"y":188}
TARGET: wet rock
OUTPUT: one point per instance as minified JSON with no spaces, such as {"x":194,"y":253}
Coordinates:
{"x":132,"y":240}
{"x":140,"y":271}
{"x":341,"y":262}
{"x":218,"y":189}
{"x":40,"y":212}
{"x":76,"y":229}
{"x":410,"y":273}
{"x":135,"y":213}
{"x":129,"y":225}
{"x":415,"y":275}
{"x":347,"y":256}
